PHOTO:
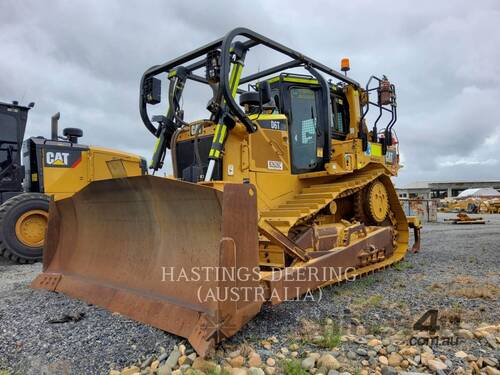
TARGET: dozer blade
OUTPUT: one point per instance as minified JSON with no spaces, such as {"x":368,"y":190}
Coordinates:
{"x":159,"y":251}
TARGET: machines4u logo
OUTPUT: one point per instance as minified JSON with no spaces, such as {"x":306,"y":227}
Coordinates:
{"x":62,"y":158}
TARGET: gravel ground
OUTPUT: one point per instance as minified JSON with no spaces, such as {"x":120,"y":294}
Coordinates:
{"x":454,"y":261}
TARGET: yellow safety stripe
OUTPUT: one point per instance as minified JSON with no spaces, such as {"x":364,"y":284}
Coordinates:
{"x":222,"y":134}
{"x":267,"y":116}
{"x":231,"y":76}
{"x":217,"y":129}
{"x":239,"y":69}
{"x":157,"y":143}
{"x":221,"y":129}
{"x":232,"y":79}
{"x":293,"y":79}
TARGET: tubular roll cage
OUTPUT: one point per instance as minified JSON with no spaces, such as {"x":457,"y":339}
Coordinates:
{"x":225,"y":44}
{"x":392,"y":110}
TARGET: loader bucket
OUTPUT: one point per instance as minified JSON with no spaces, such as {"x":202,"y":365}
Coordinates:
{"x":160,"y":251}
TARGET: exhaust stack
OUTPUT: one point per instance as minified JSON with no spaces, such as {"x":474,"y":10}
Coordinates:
{"x":55,"y":126}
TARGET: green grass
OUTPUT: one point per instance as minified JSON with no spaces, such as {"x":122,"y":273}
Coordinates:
{"x":343,"y":291}
{"x":402,"y":266}
{"x":375,"y":300}
{"x":5,"y":372}
{"x":331,"y":337}
{"x":366,"y":281}
{"x":402,"y":305}
{"x":456,"y":306}
{"x":323,"y":335}
{"x":375,"y":329}
{"x":293,"y":367}
{"x":372,"y":301}
{"x":191,"y":371}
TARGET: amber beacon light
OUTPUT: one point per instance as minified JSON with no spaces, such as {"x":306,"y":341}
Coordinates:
{"x":345,"y":65}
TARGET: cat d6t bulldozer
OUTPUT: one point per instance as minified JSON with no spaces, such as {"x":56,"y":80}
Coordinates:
{"x":283,"y":189}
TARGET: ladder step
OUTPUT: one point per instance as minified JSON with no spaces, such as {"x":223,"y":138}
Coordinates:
{"x":299,"y":206}
{"x":322,"y":188}
{"x":316,"y":196}
{"x":279,"y":223}
{"x":282,"y":213}
{"x":302,"y":210}
{"x":308,"y":201}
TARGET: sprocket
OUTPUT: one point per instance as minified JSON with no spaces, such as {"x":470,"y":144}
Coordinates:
{"x":377,"y":201}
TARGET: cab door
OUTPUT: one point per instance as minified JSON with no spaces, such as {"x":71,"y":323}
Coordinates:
{"x":306,"y":137}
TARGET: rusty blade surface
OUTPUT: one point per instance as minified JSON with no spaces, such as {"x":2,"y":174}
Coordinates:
{"x":151,"y":248}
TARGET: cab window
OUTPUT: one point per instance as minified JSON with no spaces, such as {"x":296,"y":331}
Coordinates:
{"x":303,"y":129}
{"x":275,"y":95}
{"x":339,"y":123}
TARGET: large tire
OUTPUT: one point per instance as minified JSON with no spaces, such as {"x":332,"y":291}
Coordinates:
{"x":23,"y":224}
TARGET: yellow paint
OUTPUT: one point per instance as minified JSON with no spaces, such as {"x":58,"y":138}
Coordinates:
{"x":376,"y":149}
{"x":263,"y":159}
{"x":249,"y":154}
{"x":285,"y":199}
{"x":31,"y":227}
{"x":94,"y":165}
{"x":354,"y":111}
{"x":294,"y":80}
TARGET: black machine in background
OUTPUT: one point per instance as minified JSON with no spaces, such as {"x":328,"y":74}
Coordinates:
{"x":24,"y":202}
{"x":13,"y":119}
{"x":13,"y":147}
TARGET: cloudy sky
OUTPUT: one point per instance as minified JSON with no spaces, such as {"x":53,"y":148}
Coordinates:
{"x":85,"y":59}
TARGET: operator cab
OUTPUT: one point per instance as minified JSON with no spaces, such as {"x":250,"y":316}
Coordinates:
{"x":298,"y":97}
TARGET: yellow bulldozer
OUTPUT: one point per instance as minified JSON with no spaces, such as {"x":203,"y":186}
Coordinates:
{"x":283,"y":192}
{"x":56,"y":167}
{"x":490,"y":206}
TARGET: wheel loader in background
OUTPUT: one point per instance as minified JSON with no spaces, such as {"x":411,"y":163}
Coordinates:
{"x":56,"y":167}
{"x":283,"y":193}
